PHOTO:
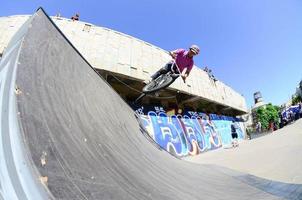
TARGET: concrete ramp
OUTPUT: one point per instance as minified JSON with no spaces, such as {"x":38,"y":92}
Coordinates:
{"x":66,"y":134}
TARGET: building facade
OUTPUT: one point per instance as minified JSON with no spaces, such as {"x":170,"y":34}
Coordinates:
{"x":124,"y":61}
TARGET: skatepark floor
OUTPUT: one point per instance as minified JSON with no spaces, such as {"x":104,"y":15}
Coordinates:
{"x":276,"y":156}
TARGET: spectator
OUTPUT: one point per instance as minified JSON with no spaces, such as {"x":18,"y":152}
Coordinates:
{"x":300,"y":110}
{"x":280,"y":121}
{"x":292,"y":116}
{"x":76,"y":17}
{"x":234,"y":134}
{"x":211,"y":75}
{"x":275,"y":126}
{"x":258,"y":127}
{"x":297,"y":115}
{"x":287,"y":115}
{"x":271,"y":126}
{"x":248,"y":134}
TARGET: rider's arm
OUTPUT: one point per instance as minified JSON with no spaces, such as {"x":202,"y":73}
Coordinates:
{"x":185,"y":74}
{"x":186,"y":71}
{"x":173,"y":54}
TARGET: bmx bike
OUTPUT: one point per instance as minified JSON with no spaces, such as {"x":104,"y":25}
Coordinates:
{"x":161,"y":82}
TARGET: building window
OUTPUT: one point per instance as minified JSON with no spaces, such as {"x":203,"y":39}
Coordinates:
{"x":87,"y":28}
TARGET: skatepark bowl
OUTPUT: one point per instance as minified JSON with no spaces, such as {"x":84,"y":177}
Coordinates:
{"x":66,"y":134}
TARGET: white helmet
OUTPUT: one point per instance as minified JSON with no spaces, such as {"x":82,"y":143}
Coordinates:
{"x":195,"y":49}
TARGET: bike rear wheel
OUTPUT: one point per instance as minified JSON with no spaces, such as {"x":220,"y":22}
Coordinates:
{"x":161,"y":82}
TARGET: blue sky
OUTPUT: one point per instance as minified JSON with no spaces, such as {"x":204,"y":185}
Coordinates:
{"x":251,"y":45}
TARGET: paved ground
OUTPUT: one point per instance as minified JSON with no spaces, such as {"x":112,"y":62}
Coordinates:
{"x":276,"y":156}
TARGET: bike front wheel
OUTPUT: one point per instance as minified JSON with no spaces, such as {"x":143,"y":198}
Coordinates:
{"x":161,"y":82}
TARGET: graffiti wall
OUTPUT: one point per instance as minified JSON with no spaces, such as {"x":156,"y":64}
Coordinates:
{"x":188,"y":133}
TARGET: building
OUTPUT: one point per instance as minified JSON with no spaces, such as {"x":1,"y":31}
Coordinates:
{"x":125,"y":61}
{"x":259,"y":102}
{"x":199,"y":112}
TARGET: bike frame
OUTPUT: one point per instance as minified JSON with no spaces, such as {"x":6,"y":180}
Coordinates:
{"x":174,"y":63}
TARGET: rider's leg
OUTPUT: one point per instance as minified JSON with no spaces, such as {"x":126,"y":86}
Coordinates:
{"x":162,"y":70}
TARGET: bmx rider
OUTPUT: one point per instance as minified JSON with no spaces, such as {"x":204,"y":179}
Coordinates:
{"x":183,"y":59}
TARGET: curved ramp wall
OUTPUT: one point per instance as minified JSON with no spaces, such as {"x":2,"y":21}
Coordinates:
{"x":82,"y":141}
{"x":120,"y":53}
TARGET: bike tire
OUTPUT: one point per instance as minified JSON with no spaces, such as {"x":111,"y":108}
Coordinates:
{"x":159,"y":83}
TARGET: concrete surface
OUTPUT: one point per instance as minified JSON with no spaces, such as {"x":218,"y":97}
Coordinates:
{"x":275,"y":156}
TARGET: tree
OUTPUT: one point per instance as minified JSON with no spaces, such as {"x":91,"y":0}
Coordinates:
{"x":296,"y":99}
{"x":267,"y":114}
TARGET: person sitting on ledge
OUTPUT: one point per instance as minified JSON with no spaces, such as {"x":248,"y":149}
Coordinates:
{"x":76,"y":17}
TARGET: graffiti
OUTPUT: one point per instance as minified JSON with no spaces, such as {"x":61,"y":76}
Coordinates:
{"x":190,"y":133}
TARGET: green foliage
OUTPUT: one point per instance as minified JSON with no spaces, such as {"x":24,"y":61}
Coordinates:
{"x":296,"y":99}
{"x":278,"y":108}
{"x":267,"y":114}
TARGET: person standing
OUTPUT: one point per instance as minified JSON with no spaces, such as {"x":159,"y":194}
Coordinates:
{"x":234,"y":134}
{"x":271,"y":126}
{"x":258,"y":127}
{"x":248,"y":134}
{"x":300,"y":110}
